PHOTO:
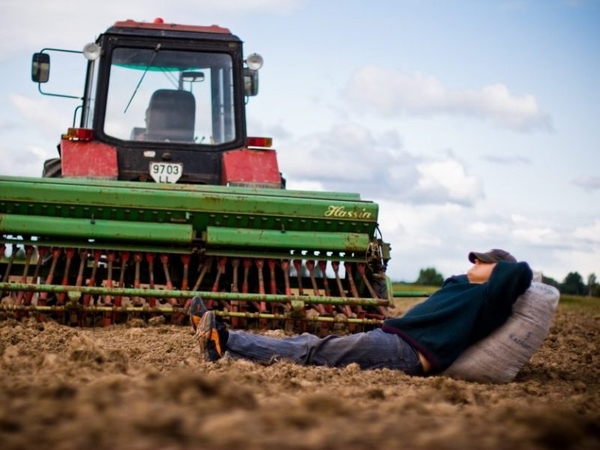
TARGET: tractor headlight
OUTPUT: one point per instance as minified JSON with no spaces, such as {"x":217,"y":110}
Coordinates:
{"x":254,"y":61}
{"x":91,"y":51}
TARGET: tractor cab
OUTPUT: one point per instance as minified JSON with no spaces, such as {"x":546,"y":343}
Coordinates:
{"x":161,"y":101}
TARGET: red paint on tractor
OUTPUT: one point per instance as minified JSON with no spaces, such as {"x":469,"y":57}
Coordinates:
{"x":161,"y":25}
{"x":251,"y":167}
{"x":88,"y":159}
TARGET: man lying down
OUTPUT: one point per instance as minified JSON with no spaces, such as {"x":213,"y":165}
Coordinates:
{"x":478,"y":327}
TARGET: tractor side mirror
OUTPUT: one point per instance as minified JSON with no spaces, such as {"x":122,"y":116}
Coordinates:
{"x":40,"y":67}
{"x":250,"y":82}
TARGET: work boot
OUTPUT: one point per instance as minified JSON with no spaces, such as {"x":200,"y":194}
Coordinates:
{"x":197,"y":310}
{"x":212,"y":337}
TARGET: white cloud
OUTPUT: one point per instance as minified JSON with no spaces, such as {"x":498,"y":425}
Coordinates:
{"x":590,"y":233}
{"x":441,"y":236}
{"x":72,"y":23}
{"x":345,"y":153}
{"x":25,"y":161}
{"x":590,"y":183}
{"x":389,"y":92}
{"x":349,"y":157}
{"x":537,"y":235}
{"x":448,"y":179}
{"x":507,"y":160}
{"x":31,"y":133}
{"x":43,"y":114}
{"x":486,"y":229}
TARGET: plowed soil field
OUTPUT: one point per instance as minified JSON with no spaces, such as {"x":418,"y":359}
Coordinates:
{"x":141,"y":386}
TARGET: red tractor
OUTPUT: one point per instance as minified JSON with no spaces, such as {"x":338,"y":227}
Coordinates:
{"x":164,"y":102}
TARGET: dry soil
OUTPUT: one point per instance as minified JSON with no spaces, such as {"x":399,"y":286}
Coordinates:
{"x":141,"y":386}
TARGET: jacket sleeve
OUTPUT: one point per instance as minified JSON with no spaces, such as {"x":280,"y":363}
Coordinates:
{"x":507,"y":282}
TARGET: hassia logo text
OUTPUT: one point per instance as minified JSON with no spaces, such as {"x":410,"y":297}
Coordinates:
{"x":341,"y":212}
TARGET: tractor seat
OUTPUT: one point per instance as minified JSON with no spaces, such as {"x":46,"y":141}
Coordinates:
{"x":170,"y":116}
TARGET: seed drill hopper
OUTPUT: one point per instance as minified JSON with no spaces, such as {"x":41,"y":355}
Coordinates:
{"x":159,"y":195}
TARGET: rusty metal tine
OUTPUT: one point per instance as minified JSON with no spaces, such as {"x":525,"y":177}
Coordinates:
{"x":298,"y":267}
{"x":310,"y":265}
{"x":75,"y":317}
{"x":261,"y":281}
{"x":235,"y":304}
{"x":285,"y":266}
{"x":119,"y":298}
{"x":336,"y":270}
{"x":70,"y":253}
{"x":44,"y":295}
{"x":83,"y":255}
{"x":205,"y":267}
{"x":245,"y":288}
{"x":350,"y":277}
{"x":36,"y":272}
{"x":235,"y":262}
{"x":185,"y":260}
{"x":87,"y":298}
{"x":164,"y":259}
{"x":11,"y":259}
{"x":110,"y":256}
{"x":260,"y":263}
{"x":323,"y":267}
{"x":220,"y":271}
{"x":273,"y":283}
{"x":137,"y":259}
{"x":50,"y":277}
{"x":361,"y":270}
{"x":124,"y":259}
{"x":150,"y":260}
{"x":247,"y":265}
{"x":335,"y":265}
{"x":28,"y":254}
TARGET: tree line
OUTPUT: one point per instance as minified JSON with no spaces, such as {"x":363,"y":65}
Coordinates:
{"x":573,"y":283}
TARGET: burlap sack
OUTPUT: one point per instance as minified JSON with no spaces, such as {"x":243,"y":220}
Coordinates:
{"x":499,"y":357}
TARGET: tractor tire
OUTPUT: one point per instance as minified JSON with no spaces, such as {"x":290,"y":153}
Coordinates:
{"x":380,"y":287}
{"x":52,"y":168}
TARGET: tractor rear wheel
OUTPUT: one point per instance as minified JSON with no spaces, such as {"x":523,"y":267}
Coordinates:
{"x":52,"y":168}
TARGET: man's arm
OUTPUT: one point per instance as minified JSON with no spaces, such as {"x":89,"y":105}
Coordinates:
{"x":507,"y":282}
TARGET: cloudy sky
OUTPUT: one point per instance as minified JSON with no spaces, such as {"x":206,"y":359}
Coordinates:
{"x":473,"y":124}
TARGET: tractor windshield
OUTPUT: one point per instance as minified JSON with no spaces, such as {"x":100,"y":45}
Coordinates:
{"x":170,"y":96}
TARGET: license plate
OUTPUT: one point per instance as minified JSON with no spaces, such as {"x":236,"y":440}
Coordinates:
{"x":164,"y":172}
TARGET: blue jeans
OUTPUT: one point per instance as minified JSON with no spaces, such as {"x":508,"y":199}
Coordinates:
{"x":374,"y":349}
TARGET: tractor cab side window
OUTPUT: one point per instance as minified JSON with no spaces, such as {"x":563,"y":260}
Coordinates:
{"x":164,"y":96}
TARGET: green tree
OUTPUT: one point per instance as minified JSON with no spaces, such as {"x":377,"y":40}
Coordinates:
{"x":573,"y":284}
{"x":550,"y":281}
{"x":592,"y":284}
{"x":429,"y":277}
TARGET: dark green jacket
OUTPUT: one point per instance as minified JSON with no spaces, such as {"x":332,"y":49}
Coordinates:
{"x":461,"y":313}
